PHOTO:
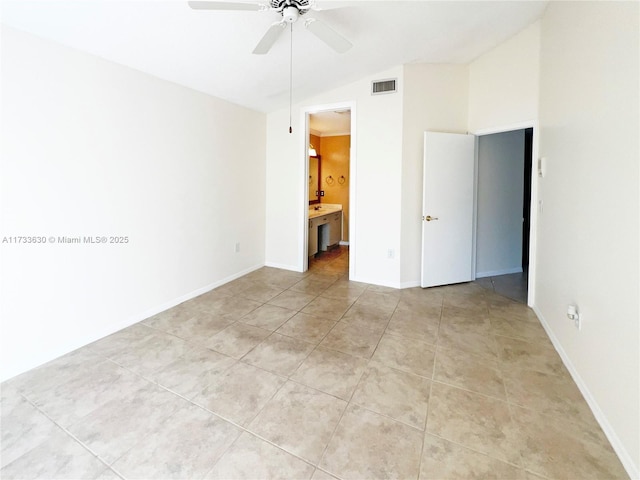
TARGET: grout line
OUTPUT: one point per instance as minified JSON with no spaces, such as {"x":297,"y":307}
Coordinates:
{"x":473,"y":392}
{"x":466,"y":447}
{"x":426,"y":424}
{"x":68,"y":432}
{"x":149,"y":377}
{"x":333,"y":433}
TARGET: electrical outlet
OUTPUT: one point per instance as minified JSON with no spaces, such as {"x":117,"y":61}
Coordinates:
{"x":391,"y":253}
{"x":237,"y":248}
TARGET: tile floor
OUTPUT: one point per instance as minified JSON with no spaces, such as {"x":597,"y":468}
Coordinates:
{"x":513,"y":286}
{"x":310,"y":376}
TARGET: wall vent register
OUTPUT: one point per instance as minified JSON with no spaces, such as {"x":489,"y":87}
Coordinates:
{"x":379,"y":87}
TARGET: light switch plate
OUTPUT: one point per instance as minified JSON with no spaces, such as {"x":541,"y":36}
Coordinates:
{"x":542,"y":167}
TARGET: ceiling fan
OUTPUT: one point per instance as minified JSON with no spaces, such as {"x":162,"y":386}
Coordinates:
{"x":290,"y":11}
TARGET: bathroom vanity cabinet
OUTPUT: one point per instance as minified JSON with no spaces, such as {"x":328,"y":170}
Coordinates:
{"x":325,"y":228}
{"x":313,"y":238}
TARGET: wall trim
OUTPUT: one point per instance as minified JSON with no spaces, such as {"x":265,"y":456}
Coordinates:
{"x":346,"y":133}
{"x":411,"y":284}
{"x":304,"y":146}
{"x":625,"y":458}
{"x":533,"y":225}
{"x":506,"y":128}
{"x":70,"y":346}
{"x":495,"y":273}
{"x":379,"y":283}
{"x":282,"y":266}
{"x":188,"y":296}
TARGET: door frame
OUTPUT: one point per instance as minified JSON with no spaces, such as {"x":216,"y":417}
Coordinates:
{"x":533,"y":209}
{"x":304,"y":180}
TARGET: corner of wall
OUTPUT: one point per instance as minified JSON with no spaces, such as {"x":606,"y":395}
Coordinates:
{"x":597,"y":411}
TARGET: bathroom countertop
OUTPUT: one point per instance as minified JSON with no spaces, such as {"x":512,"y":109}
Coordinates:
{"x":325,"y":209}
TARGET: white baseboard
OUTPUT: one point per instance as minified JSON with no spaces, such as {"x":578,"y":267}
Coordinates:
{"x":193,"y":294}
{"x":282,"y":266}
{"x":200,"y":291}
{"x":343,"y":243}
{"x":375,"y":282}
{"x":625,"y":458}
{"x":400,"y":286}
{"x":495,"y":273}
{"x":71,"y":345}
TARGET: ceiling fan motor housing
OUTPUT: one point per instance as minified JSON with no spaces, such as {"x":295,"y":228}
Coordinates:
{"x":290,"y":14}
{"x":290,"y":9}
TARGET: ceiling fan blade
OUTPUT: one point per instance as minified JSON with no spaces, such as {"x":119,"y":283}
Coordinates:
{"x":269,"y":38}
{"x":328,"y":35}
{"x":209,"y":5}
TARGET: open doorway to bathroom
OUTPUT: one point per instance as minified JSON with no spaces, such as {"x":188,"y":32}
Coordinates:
{"x":329,"y":202}
{"x":504,"y":212}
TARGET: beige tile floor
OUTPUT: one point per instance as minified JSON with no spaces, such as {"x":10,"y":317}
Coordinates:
{"x":513,"y":286}
{"x":310,"y":376}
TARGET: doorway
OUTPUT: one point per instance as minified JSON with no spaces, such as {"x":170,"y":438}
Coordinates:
{"x":504,"y":212}
{"x":329,"y":172}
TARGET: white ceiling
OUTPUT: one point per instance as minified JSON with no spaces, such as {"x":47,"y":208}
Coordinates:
{"x":329,"y":123}
{"x":210,"y":51}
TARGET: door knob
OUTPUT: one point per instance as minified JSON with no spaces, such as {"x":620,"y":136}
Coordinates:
{"x":428,"y":218}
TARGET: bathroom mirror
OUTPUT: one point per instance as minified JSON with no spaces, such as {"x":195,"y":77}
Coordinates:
{"x":314,"y":179}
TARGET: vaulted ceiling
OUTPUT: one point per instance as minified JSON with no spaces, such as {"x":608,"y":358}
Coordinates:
{"x":210,"y":51}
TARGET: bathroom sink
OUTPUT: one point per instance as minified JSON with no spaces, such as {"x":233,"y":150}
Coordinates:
{"x":325,"y":209}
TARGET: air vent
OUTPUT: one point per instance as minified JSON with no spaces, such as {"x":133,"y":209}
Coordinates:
{"x":379,"y":87}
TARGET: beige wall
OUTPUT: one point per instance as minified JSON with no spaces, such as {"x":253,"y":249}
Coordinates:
{"x":90,"y":148}
{"x":503,"y":83}
{"x":576,"y":73}
{"x":377,"y":151}
{"x":335,"y":163}
{"x":435,"y":98}
{"x":588,"y":234}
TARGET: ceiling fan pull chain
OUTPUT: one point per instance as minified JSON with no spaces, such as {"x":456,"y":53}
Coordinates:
{"x":290,"y":77}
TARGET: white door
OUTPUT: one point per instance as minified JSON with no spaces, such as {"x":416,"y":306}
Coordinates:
{"x":447,"y":208}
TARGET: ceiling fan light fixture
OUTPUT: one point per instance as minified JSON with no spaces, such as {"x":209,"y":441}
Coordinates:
{"x":290,"y":14}
{"x":290,"y":11}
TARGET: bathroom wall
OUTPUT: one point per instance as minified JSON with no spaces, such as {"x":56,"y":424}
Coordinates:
{"x":335,"y":164}
{"x":315,"y":141}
